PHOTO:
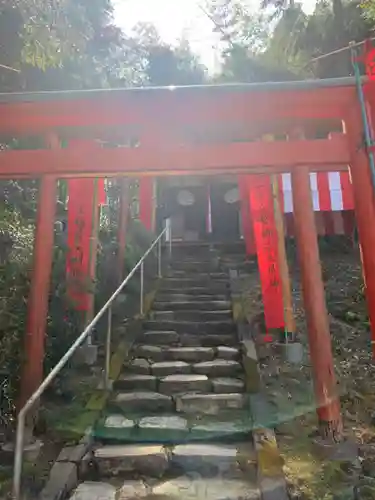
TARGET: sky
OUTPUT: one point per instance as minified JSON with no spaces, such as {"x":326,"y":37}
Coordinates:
{"x":176,"y":18}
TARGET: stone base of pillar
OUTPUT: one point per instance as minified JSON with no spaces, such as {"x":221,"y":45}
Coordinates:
{"x":31,"y":450}
{"x":291,"y":352}
{"x":345,"y":450}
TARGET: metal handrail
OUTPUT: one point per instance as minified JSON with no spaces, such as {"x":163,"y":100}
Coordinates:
{"x":18,"y":454}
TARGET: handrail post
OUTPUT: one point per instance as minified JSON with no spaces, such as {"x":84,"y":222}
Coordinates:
{"x":18,"y":455}
{"x":108,"y":349}
{"x":142,"y":286}
{"x":159,"y":258}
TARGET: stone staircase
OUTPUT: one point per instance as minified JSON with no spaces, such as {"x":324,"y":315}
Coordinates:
{"x":178,"y":424}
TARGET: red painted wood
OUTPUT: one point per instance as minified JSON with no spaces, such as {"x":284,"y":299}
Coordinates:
{"x":328,"y":407}
{"x":37,"y":306}
{"x":153,"y":111}
{"x":284,"y":156}
{"x":247,"y":222}
{"x":365,"y":214}
{"x":146,"y":201}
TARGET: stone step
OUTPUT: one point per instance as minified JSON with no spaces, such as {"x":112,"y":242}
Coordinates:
{"x":212,"y":340}
{"x":177,"y":384}
{"x":160,"y":338}
{"x":218,"y":368}
{"x":195,"y":327}
{"x":165,"y":368}
{"x":227,"y":385}
{"x":187,"y":487}
{"x":114,"y":460}
{"x":183,"y":487}
{"x":193,"y":291}
{"x":191,"y":340}
{"x":205,"y":457}
{"x":163,"y":353}
{"x":143,"y":401}
{"x":195,"y":265}
{"x":136,"y":383}
{"x":182,"y":297}
{"x":192,"y":305}
{"x":174,"y":428}
{"x":204,"y":275}
{"x":192,"y":315}
{"x":183,"y":283}
{"x":209,"y":404}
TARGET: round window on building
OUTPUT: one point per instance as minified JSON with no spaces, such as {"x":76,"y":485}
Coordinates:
{"x":232,"y":196}
{"x":185,"y":198}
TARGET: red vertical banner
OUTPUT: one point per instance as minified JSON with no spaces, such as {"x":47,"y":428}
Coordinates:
{"x":80,"y":217}
{"x":262,"y":209}
{"x":146,"y":201}
{"x":247,"y":223}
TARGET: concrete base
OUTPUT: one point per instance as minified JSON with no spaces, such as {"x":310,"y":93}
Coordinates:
{"x":292,"y":352}
{"x":31,"y":450}
{"x":345,"y":451}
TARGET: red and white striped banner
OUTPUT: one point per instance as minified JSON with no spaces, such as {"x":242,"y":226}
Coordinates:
{"x":331,"y":192}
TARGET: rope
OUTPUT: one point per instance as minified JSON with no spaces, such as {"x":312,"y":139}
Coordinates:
{"x":4,"y":66}
{"x":337,"y":51}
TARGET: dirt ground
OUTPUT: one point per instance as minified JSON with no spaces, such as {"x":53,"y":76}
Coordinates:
{"x":289,"y":387}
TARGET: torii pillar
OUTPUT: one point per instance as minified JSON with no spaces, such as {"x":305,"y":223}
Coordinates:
{"x":37,"y":306}
{"x":325,"y":388}
{"x":363,"y":193}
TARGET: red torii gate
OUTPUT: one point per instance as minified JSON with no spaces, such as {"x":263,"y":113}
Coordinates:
{"x":200,"y":130}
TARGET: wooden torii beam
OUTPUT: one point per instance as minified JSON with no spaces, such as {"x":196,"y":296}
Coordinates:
{"x":279,"y":156}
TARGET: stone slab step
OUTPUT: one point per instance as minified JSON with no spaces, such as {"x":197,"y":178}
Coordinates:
{"x":222,"y":385}
{"x":195,"y":327}
{"x":136,"y":383}
{"x":193,"y":305}
{"x":191,"y":340}
{"x":160,"y":338}
{"x":225,"y":352}
{"x":192,"y":291}
{"x":90,"y":490}
{"x":193,"y":315}
{"x":114,"y":460}
{"x":205,"y":458}
{"x":209,"y":404}
{"x":143,"y":401}
{"x":202,"y":275}
{"x":177,"y":384}
{"x":165,"y":368}
{"x":138,"y":366}
{"x":195,"y":265}
{"x":212,"y":340}
{"x":172,"y":428}
{"x":218,"y":368}
{"x":186,"y":487}
{"x":164,"y":353}
{"x":199,"y":299}
{"x":192,"y":288}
